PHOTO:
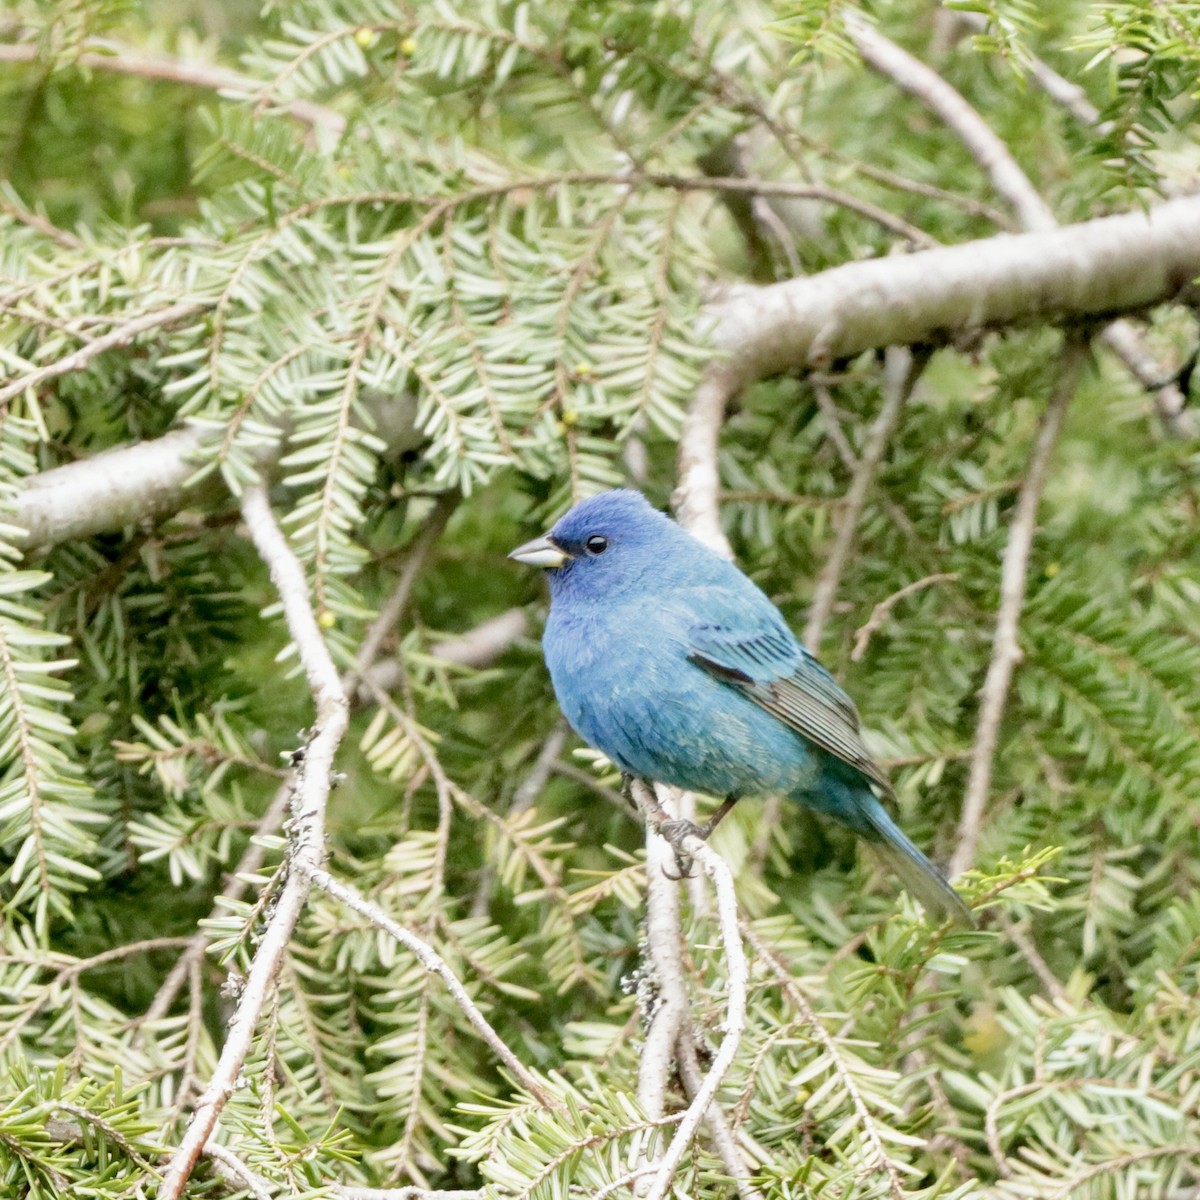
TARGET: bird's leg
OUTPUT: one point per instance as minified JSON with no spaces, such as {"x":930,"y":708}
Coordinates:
{"x":627,"y":782}
{"x":678,"y":829}
{"x":719,"y":814}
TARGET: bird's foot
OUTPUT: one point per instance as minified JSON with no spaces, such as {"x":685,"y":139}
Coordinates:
{"x":679,"y":828}
{"x":676,"y":832}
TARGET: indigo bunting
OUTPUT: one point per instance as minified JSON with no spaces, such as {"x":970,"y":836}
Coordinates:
{"x":670,"y":661}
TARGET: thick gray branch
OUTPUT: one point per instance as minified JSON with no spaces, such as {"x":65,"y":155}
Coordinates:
{"x":1096,"y":268}
{"x":149,"y":480}
{"x":121,"y":487}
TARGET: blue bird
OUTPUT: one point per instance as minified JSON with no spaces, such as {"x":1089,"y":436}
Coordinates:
{"x":670,"y":661}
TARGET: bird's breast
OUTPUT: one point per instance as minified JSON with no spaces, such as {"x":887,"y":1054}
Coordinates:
{"x":626,"y":684}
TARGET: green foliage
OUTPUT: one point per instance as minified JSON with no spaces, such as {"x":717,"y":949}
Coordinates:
{"x":431,"y":253}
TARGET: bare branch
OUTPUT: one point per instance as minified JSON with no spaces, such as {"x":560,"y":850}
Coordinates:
{"x":306,"y":836}
{"x":923,"y":82}
{"x":715,"y":867}
{"x":901,"y":372}
{"x":151,"y":480}
{"x":119,"y":487}
{"x":1096,"y":268}
{"x":1006,"y":651}
{"x":695,"y":498}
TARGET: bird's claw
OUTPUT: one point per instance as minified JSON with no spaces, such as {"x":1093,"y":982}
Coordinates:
{"x":678,"y":829}
{"x":676,"y":832}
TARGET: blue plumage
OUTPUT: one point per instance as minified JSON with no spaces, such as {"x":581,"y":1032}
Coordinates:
{"x":673,"y":663}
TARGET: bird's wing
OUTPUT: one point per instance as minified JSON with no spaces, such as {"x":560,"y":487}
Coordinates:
{"x":762,"y":659}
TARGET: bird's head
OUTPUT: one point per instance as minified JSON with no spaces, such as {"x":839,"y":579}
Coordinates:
{"x":608,"y":544}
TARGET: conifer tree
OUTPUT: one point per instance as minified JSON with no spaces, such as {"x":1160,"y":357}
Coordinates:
{"x":307,"y":317}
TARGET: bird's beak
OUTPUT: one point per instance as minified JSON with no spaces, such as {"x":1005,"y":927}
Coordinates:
{"x":541,"y":552}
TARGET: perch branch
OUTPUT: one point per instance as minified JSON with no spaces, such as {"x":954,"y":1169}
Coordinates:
{"x":663,"y":940}
{"x":1006,"y":650}
{"x":715,"y":867}
{"x":306,"y":837}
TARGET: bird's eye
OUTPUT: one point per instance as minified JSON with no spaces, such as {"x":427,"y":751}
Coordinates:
{"x":596,"y":544}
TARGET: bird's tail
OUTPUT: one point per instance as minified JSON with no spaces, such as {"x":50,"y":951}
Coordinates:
{"x":922,"y":879}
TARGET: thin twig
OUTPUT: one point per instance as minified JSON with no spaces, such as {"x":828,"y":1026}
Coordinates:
{"x":901,"y":372}
{"x":1062,"y":91}
{"x":346,"y":1192}
{"x":255,"y":853}
{"x":122,"y":335}
{"x":306,"y":836}
{"x":828,"y":1043}
{"x":68,"y":973}
{"x":1006,"y":651}
{"x":880,"y":613}
{"x":543,"y":767}
{"x":238,"y":1173}
{"x":393,"y":608}
{"x":433,"y":962}
{"x":125,"y":61}
{"x":720,"y":1128}
{"x":1019,"y":934}
{"x":834,"y":430}
{"x":236,"y":886}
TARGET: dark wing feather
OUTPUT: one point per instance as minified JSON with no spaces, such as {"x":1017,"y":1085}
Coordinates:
{"x":772,"y":669}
